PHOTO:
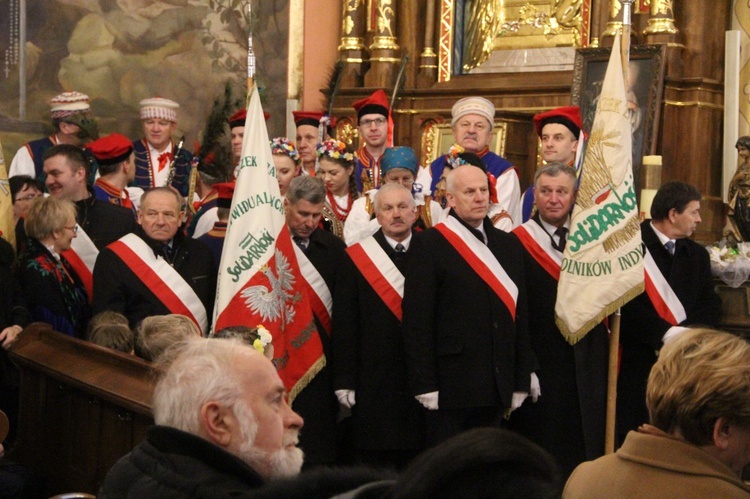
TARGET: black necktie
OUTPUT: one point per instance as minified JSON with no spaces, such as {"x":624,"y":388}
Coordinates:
{"x":670,"y":247}
{"x":302,"y":243}
{"x":400,"y":248}
{"x":561,"y":233}
{"x":166,"y":250}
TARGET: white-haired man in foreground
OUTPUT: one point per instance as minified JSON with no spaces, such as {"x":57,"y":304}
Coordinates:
{"x":223,"y":426}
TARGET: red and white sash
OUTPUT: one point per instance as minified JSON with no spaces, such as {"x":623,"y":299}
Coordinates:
{"x":538,"y":243}
{"x":481,"y":260}
{"x":82,"y":257}
{"x":380,"y":272}
{"x":317,"y":289}
{"x":164,"y":281}
{"x":661,"y":294}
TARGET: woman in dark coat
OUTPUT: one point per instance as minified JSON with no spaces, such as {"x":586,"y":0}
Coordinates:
{"x":52,"y":290}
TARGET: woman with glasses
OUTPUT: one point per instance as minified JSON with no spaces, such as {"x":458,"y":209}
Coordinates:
{"x":23,"y":190}
{"x":53,"y":291}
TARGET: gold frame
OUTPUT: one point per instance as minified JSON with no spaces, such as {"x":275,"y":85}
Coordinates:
{"x":437,"y":139}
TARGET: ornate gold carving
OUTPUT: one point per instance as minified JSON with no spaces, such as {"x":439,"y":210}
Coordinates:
{"x":613,"y":27}
{"x":347,"y":24}
{"x":384,"y":16}
{"x":384,"y":59}
{"x":615,"y":6}
{"x":512,"y":24}
{"x":384,"y":43}
{"x":482,"y":27}
{"x":663,"y":7}
{"x":346,"y":132}
{"x":428,"y":52}
{"x":446,"y":40}
{"x":352,"y":5}
{"x":428,"y":143}
{"x":660,"y":25}
{"x":694,"y":103}
{"x":352,"y":43}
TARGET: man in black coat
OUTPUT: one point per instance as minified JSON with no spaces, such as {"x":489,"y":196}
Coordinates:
{"x":465,"y":315}
{"x":683,"y":266}
{"x":323,"y":252}
{"x":156,"y":270}
{"x":67,"y":169}
{"x":369,"y":364}
{"x":223,"y":428}
{"x":568,"y":419}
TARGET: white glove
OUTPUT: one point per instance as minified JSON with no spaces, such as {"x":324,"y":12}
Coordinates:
{"x":346,"y":398}
{"x":536,"y":389}
{"x":673,"y":332}
{"x":517,"y":400}
{"x":429,"y":400}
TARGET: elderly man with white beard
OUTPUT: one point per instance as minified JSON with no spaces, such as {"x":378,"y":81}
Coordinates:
{"x":223,"y":427}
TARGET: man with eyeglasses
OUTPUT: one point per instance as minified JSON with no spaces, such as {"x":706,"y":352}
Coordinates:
{"x":157,"y":270}
{"x":66,"y":170}
{"x":472,"y":124}
{"x":374,"y":131}
{"x":369,"y":368}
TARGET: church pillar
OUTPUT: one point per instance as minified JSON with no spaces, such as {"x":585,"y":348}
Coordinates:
{"x":384,"y":50}
{"x":428,"y":58}
{"x":661,"y":28}
{"x":352,"y":50}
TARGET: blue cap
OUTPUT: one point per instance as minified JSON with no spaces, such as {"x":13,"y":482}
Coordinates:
{"x":399,"y":157}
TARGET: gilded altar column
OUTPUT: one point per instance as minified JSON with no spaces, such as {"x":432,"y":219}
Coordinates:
{"x":384,"y":51}
{"x":614,"y":25}
{"x":428,"y":58}
{"x":661,"y":28}
{"x":352,"y":50}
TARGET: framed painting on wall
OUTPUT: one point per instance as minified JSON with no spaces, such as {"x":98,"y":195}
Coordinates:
{"x":644,"y":93}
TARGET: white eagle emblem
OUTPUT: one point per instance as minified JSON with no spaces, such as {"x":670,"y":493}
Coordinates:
{"x":278,"y":301}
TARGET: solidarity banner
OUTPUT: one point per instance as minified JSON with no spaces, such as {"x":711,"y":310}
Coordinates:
{"x":260,"y":282}
{"x":602,"y":267}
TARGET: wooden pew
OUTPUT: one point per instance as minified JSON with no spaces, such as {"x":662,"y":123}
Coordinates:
{"x":82,"y":407}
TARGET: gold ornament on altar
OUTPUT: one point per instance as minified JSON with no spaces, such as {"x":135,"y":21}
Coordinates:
{"x":516,"y":24}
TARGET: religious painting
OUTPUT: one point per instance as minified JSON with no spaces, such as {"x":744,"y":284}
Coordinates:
{"x":495,"y":36}
{"x":644,"y":90}
{"x":121,"y":52}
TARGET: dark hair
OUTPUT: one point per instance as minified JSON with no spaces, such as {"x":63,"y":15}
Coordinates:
{"x":473,"y":159}
{"x":75,"y":156}
{"x":673,"y":195}
{"x":743,"y":142}
{"x":20,"y":182}
{"x":245,"y":334}
{"x":483,"y":462}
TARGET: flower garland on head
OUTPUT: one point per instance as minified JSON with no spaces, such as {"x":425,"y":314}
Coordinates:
{"x":335,"y":149}
{"x":263,"y":340}
{"x":282,"y":145}
{"x":453,"y":158}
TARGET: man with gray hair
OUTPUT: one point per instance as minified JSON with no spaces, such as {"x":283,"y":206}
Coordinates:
{"x":369,"y":369}
{"x":473,"y":121}
{"x":568,"y":420}
{"x":223,"y":426}
{"x":465,"y":316}
{"x":318,"y":254}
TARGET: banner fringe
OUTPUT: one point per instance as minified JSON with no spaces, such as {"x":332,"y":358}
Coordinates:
{"x":573,"y":337}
